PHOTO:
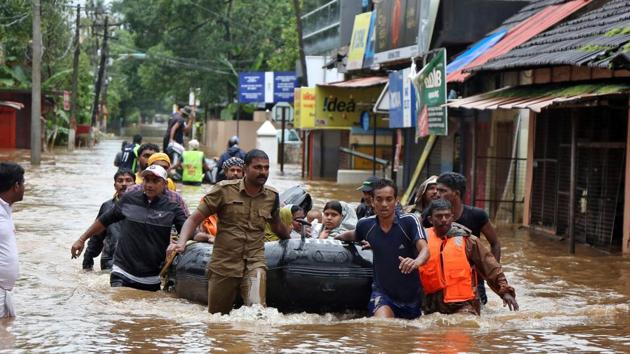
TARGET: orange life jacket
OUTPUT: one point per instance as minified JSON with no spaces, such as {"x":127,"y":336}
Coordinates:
{"x":210,"y":225}
{"x":448,"y":269}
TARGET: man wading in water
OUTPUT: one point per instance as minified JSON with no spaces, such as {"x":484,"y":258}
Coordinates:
{"x":243,"y":206}
{"x":106,"y":242}
{"x":399,"y":245}
{"x":457,"y":257}
{"x":146,"y":216}
{"x":452,"y":187}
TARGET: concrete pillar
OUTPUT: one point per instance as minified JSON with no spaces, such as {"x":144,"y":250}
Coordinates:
{"x":266,"y":141}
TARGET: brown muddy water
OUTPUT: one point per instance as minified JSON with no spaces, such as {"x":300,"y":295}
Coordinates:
{"x":568,"y":303}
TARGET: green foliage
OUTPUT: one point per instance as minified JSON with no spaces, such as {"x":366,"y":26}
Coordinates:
{"x":201,"y":44}
{"x":231,"y":110}
{"x":159,"y":50}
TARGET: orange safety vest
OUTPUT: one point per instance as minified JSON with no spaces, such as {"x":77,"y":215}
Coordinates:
{"x":448,"y":269}
{"x":210,"y":225}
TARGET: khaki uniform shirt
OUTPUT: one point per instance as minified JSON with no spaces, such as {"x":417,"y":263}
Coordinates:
{"x":239,"y":245}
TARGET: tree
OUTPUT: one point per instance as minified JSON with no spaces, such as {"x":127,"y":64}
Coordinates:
{"x":204,"y":44}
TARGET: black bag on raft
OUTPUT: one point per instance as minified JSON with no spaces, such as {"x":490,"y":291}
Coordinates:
{"x":297,"y":195}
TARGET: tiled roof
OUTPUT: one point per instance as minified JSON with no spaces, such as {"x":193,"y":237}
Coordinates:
{"x":528,"y":11}
{"x":598,"y":38}
{"x":542,"y":19}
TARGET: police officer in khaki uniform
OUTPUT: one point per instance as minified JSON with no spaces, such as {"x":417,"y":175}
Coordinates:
{"x":243,"y":206}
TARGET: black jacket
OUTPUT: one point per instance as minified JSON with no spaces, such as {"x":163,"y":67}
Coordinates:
{"x":145,"y":231}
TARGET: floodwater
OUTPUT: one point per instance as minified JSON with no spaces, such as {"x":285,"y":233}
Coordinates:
{"x":568,"y":303}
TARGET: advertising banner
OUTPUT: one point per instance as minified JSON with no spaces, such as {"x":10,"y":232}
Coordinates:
{"x":368,"y":58}
{"x":358,"y":43}
{"x":266,"y":87}
{"x":430,"y":83}
{"x":341,"y":108}
{"x":403,"y":28}
{"x":304,"y":106}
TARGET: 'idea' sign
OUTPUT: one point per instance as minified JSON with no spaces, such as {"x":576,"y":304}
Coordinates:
{"x":341,"y":107}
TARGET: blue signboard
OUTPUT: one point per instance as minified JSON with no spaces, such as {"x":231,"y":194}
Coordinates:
{"x":266,"y":87}
{"x":251,"y":87}
{"x":402,"y":100}
{"x":284,"y":84}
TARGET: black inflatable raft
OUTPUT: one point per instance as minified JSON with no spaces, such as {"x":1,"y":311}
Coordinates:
{"x":307,"y":275}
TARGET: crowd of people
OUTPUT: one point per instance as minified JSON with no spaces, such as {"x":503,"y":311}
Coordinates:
{"x":426,"y":256}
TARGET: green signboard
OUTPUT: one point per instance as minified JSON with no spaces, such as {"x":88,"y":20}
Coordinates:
{"x":430,"y":84}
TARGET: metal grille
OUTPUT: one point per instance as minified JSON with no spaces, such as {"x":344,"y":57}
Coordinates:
{"x":600,"y":176}
{"x":600,"y":169}
{"x":501,"y":177}
{"x":503,"y":195}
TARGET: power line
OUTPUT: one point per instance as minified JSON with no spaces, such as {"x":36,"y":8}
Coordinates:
{"x":190,"y":63}
{"x":6,"y":25}
{"x":15,"y":16}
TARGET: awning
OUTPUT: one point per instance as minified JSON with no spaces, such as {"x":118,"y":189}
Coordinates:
{"x":475,"y":51}
{"x":537,"y":97}
{"x":521,"y":33}
{"x":12,"y":104}
{"x":358,"y":83}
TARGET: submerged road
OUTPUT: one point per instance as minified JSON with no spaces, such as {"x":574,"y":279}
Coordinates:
{"x":568,"y":303}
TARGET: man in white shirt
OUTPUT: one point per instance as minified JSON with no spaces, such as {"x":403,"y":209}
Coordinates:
{"x":11,"y":191}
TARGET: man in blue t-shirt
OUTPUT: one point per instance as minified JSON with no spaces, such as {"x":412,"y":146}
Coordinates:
{"x":399,"y":246}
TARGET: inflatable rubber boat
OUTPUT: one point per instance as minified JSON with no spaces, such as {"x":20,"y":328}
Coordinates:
{"x":303,"y":275}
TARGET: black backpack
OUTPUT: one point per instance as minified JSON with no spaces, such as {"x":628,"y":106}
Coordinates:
{"x":128,"y":157}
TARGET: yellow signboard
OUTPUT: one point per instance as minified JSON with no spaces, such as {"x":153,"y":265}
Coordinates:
{"x":304,"y":105}
{"x":341,"y":107}
{"x":358,"y":41}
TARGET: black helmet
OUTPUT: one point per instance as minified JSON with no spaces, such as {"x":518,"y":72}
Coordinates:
{"x":233,"y":141}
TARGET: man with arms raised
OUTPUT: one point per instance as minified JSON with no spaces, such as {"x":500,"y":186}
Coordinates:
{"x":243,"y":206}
{"x":399,"y":245}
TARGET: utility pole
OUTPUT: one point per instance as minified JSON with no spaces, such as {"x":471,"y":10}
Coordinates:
{"x":298,"y":25}
{"x":36,"y":92}
{"x":75,"y":82}
{"x":101,"y":72}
